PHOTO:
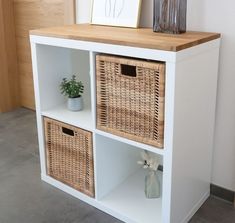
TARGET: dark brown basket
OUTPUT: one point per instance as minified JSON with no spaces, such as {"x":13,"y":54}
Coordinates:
{"x":70,"y":155}
{"x":130,"y":98}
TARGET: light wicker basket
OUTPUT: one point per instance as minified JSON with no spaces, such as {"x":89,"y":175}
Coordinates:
{"x":130,"y":98}
{"x":70,"y":155}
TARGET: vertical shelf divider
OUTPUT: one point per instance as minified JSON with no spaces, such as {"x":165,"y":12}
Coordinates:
{"x":92,"y":74}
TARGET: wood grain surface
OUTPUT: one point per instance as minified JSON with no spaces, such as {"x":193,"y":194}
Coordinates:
{"x":143,"y":37}
{"x":34,"y":14}
{"x":9,"y":90}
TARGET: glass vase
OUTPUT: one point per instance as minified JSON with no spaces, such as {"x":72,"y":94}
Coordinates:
{"x":152,"y":185}
{"x":170,"y":16}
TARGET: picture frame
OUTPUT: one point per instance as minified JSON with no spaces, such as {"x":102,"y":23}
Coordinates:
{"x":122,"y":13}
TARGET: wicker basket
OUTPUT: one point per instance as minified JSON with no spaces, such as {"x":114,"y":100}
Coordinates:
{"x":69,"y":155}
{"x":130,"y":98}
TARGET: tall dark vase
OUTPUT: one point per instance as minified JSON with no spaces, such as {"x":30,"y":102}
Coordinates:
{"x":170,"y":16}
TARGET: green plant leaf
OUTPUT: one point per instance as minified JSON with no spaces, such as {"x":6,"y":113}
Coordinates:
{"x":71,"y":88}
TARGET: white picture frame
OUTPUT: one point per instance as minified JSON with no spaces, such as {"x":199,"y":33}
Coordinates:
{"x":123,"y":13}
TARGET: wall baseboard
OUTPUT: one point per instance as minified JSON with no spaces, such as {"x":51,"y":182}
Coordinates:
{"x":223,"y":193}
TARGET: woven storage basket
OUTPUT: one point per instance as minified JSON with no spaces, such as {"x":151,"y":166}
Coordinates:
{"x":130,"y":98}
{"x":69,"y":155}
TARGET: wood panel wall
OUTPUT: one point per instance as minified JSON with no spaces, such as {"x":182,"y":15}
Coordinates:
{"x":9,"y":97}
{"x":34,"y":14}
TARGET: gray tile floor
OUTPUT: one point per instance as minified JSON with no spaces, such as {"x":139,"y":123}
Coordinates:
{"x":24,"y":198}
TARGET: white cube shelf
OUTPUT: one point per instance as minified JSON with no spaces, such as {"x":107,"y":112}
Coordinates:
{"x":191,"y":62}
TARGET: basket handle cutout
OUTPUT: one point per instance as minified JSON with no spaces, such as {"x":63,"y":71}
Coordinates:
{"x":128,"y":70}
{"x":67,"y":131}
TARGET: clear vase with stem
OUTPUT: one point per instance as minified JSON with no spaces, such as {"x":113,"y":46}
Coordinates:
{"x":152,"y":185}
{"x":151,"y":163}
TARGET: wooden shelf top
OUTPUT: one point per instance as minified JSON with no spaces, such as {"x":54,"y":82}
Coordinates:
{"x":142,"y":37}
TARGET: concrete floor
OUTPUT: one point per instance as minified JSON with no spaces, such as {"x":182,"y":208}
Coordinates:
{"x":24,"y":198}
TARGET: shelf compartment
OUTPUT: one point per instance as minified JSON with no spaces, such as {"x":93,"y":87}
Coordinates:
{"x":120,"y":182}
{"x":56,"y":63}
{"x":81,"y":119}
{"x":128,"y":200}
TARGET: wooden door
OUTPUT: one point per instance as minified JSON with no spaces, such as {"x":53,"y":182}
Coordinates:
{"x":8,"y":60}
{"x":34,"y":14}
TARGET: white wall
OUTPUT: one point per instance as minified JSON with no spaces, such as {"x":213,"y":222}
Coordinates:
{"x":219,"y":16}
{"x":214,"y":16}
{"x":83,"y":10}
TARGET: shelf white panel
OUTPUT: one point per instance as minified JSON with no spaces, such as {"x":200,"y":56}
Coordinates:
{"x":81,"y":119}
{"x":128,"y":200}
{"x":131,"y":142}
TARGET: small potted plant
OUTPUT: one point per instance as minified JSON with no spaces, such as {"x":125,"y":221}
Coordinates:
{"x":73,"y":89}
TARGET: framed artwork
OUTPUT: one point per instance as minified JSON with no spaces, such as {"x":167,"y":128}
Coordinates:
{"x":124,"y":13}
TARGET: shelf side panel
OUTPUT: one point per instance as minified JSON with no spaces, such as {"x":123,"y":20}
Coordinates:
{"x":38,"y":108}
{"x":194,"y":117}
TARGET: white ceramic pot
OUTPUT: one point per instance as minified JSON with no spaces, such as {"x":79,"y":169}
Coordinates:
{"x":75,"y":104}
